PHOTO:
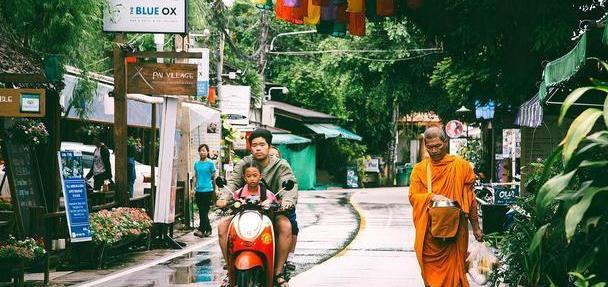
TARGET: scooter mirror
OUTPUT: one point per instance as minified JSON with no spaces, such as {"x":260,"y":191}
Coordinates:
{"x":219,"y":181}
{"x":288,"y":184}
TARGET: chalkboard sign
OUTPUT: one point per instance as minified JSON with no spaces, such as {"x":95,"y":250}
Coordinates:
{"x":25,"y":183}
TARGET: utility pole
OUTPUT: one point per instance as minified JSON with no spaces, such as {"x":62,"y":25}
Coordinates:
{"x":120,"y":121}
{"x":264,"y":25}
{"x":219,"y":68}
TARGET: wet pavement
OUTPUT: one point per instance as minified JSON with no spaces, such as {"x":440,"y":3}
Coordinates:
{"x":327,"y":224}
{"x":382,"y":253}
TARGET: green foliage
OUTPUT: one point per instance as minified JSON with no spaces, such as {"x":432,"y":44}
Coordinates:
{"x":70,"y":29}
{"x":566,"y":224}
{"x":472,"y":152}
{"x":494,"y":49}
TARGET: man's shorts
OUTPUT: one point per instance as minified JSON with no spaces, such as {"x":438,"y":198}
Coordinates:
{"x":294,"y":224}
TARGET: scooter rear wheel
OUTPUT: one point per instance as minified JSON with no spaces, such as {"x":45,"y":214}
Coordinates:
{"x":250,"y":277}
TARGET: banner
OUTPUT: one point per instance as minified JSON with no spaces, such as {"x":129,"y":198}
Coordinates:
{"x":75,"y":195}
{"x":164,"y":205}
{"x":235,"y":102}
{"x":145,"y":16}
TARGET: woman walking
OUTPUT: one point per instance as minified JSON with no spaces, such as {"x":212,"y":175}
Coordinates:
{"x":204,"y":171}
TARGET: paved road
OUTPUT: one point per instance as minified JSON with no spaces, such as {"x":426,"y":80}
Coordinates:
{"x":327,"y":223}
{"x":382,"y":254}
{"x":375,"y":249}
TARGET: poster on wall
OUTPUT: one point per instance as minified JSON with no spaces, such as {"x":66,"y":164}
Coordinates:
{"x":235,"y":102}
{"x":456,"y":145}
{"x":74,"y":189}
{"x":145,"y":16}
{"x":205,"y":128}
{"x":511,"y":142}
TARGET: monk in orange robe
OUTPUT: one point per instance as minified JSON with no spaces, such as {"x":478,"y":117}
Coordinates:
{"x":452,"y":178}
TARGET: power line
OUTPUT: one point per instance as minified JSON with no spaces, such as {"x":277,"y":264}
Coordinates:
{"x":339,"y":51}
{"x":395,"y":60}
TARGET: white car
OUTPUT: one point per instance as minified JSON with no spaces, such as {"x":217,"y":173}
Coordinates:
{"x":142,"y":171}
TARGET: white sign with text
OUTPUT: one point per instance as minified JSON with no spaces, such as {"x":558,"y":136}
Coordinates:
{"x":145,"y":16}
{"x":234,"y":103}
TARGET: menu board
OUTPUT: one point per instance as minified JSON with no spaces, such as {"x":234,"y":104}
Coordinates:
{"x":24,"y":179}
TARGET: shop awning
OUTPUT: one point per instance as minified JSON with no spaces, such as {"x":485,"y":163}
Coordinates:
{"x":278,"y":139}
{"x":333,"y":131}
{"x":530,"y":113}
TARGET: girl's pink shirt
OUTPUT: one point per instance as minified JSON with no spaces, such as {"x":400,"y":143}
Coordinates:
{"x":245,"y":194}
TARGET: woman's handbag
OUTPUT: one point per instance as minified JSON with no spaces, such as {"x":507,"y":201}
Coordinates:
{"x":445,"y":215}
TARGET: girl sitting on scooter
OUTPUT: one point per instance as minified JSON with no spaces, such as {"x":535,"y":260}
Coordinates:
{"x":252,"y":176}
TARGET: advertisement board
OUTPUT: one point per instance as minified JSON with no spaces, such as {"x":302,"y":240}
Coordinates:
{"x":146,"y":16}
{"x":235,"y":102}
{"x":202,"y":79}
{"x":75,"y":195}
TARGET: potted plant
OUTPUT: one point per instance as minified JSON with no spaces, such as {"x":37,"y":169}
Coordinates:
{"x":14,"y":254}
{"x":28,"y":132}
{"x":118,"y":227}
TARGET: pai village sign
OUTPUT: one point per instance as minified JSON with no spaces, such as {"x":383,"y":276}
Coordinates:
{"x":162,"y":79}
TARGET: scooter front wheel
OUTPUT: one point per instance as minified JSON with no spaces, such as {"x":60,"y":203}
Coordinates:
{"x":250,"y":277}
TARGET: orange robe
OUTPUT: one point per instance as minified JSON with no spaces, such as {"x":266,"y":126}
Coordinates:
{"x":442,"y":264}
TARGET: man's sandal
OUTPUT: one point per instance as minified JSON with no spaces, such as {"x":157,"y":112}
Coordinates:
{"x":290,"y":266}
{"x":280,"y":281}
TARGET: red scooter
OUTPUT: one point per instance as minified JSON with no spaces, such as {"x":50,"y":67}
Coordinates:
{"x":251,"y":240}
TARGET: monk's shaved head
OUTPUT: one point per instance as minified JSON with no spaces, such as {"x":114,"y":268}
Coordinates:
{"x":435,"y":132}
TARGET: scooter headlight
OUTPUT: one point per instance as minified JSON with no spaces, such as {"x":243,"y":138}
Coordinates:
{"x":250,"y":225}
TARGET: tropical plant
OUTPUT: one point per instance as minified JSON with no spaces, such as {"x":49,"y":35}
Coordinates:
{"x":570,"y":212}
{"x":108,"y":227}
{"x":27,"y":249}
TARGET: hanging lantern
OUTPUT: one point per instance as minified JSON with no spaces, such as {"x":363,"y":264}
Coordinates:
{"x":313,"y":15}
{"x":211,"y":98}
{"x":356,"y":6}
{"x":385,"y":8}
{"x":356,"y":24}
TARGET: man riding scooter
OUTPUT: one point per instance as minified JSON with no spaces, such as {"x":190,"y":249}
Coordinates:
{"x":275,"y":172}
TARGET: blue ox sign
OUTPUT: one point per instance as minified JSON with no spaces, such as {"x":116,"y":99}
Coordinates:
{"x":146,"y":16}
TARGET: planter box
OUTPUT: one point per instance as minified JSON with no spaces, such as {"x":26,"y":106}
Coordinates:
{"x":91,"y":255}
{"x":12,"y":269}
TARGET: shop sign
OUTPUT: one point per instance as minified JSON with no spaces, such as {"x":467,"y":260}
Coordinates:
{"x":203,"y":72}
{"x":235,"y":103}
{"x":18,"y":103}
{"x":146,"y":16}
{"x":506,"y":194}
{"x":372,"y":165}
{"x":162,"y":79}
{"x":454,"y":129}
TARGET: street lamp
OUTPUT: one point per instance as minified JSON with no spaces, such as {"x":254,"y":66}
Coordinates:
{"x":268,"y":97}
{"x":463,"y":111}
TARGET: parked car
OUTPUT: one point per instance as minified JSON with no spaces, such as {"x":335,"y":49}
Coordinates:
{"x":142,"y":171}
